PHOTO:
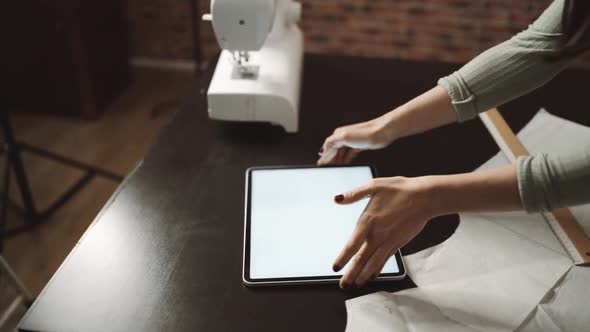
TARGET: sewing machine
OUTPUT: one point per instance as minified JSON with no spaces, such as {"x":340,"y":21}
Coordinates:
{"x":258,"y":74}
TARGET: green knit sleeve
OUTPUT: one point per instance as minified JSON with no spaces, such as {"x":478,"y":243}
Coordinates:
{"x":547,"y":182}
{"x":508,"y":70}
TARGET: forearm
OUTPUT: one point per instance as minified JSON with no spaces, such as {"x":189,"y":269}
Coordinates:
{"x":552,"y":181}
{"x":490,"y":190}
{"x":496,"y":76}
{"x":427,"y":111}
{"x":508,"y":70}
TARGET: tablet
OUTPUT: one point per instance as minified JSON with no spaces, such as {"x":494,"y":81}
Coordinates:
{"x":293,"y":229}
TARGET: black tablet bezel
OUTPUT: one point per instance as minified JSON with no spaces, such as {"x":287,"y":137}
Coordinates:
{"x":297,"y":280}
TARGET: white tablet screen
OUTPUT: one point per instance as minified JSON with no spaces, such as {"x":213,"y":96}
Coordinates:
{"x":296,"y":229}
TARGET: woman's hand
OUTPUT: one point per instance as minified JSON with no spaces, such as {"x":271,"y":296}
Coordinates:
{"x":429,"y":110}
{"x":400,"y":207}
{"x":348,"y":141}
{"x":398,"y":210}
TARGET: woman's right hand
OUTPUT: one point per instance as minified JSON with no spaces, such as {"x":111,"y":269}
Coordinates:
{"x":347,"y":142}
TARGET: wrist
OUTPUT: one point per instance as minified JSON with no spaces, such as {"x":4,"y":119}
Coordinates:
{"x":440,"y":192}
{"x":392,"y":125}
{"x":432,"y":190}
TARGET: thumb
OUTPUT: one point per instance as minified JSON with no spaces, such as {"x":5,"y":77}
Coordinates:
{"x":356,"y":194}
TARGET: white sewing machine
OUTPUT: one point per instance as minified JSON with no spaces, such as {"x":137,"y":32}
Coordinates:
{"x":258,"y":74}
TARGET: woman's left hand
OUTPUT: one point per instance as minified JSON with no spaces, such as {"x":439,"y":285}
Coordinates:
{"x":398,"y":210}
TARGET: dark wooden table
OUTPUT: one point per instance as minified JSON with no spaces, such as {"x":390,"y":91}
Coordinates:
{"x":165,"y":253}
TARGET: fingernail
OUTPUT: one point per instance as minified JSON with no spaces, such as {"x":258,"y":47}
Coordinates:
{"x":339,"y":198}
{"x":321,"y":151}
{"x":336,"y":268}
{"x":345,"y":286}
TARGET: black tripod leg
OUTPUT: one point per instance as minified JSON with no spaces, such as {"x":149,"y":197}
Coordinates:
{"x":13,"y":154}
{"x":4,"y":202}
{"x":70,"y":162}
{"x":14,"y":163}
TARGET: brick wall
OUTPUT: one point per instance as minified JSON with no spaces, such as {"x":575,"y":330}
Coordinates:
{"x":160,"y":29}
{"x":440,"y":30}
{"x":447,"y":30}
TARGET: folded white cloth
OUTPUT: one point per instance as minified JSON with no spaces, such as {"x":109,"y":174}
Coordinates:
{"x":498,"y":272}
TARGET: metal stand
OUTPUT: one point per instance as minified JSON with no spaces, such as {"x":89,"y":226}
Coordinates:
{"x":196,"y":30}
{"x":24,"y":297}
{"x":13,"y":163}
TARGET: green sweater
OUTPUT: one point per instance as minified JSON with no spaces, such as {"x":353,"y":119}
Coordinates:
{"x":506,"y":72}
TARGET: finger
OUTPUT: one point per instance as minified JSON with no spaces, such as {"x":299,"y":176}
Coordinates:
{"x":358,"y":237}
{"x":372,"y":267}
{"x":337,"y":157}
{"x":339,"y":160}
{"x":331,"y":146}
{"x":391,"y":253}
{"x":350,"y":155}
{"x":357,"y":194}
{"x":357,"y":264}
{"x":403,"y":235}
{"x":326,"y":158}
{"x":330,"y":149}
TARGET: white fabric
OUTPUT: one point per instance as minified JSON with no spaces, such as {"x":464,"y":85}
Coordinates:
{"x":498,"y":272}
{"x":565,"y":308}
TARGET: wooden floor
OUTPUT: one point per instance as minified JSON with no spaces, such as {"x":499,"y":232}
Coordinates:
{"x":116,"y":142}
